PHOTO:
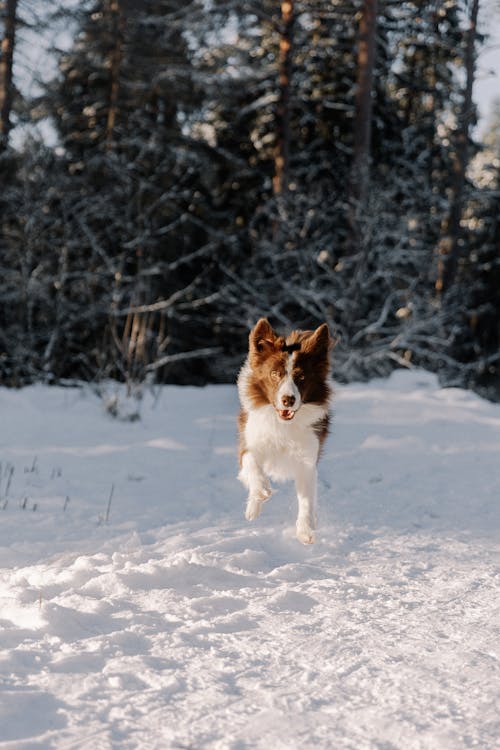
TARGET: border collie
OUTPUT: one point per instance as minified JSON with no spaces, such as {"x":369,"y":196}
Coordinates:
{"x":284,"y":394}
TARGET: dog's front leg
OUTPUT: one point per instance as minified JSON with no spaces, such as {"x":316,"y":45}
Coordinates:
{"x":255,"y":480}
{"x":305,"y":484}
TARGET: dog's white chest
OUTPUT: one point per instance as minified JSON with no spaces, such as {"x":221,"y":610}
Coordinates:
{"x":280,"y":446}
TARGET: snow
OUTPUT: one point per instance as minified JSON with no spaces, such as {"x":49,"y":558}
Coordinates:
{"x":138,"y":609}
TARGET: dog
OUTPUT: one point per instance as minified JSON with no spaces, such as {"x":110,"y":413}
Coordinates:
{"x":285,"y":395}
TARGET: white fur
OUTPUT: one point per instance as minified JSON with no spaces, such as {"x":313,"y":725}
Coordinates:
{"x":243,"y":381}
{"x":287,"y":387}
{"x":281,"y":450}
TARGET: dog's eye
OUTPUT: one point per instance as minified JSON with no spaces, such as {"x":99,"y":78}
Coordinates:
{"x":275,"y":375}
{"x":299,"y":376}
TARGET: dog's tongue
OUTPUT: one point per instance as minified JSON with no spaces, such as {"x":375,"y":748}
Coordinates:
{"x":287,"y":414}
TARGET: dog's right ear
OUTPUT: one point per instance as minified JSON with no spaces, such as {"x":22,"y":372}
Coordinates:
{"x":262,"y":338}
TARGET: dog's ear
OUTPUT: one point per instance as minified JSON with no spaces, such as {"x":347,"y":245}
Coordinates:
{"x":262,"y":338}
{"x":319,"y":342}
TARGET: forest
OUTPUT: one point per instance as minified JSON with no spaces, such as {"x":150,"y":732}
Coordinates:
{"x":214,"y":161}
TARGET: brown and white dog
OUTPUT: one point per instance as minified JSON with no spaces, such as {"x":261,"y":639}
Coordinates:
{"x":285,"y":394}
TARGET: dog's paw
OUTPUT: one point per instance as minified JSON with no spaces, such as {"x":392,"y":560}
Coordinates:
{"x":305,"y":534}
{"x":255,"y":500}
{"x":253,"y":509}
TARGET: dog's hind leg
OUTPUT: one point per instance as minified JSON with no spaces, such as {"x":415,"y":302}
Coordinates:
{"x":305,"y":484}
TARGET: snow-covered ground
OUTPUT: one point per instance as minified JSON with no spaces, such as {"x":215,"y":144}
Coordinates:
{"x":138,"y":609}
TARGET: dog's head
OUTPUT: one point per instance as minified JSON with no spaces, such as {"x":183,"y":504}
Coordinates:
{"x":289,"y":371}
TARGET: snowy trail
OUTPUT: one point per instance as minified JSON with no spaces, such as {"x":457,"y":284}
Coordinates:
{"x":178,"y":625}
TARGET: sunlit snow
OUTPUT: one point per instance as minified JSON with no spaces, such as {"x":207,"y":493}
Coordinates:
{"x":138,"y":609}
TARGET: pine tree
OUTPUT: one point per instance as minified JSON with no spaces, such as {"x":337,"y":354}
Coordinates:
{"x":452,"y":228}
{"x":475,"y":337}
{"x":123,"y":206}
{"x":363,"y":111}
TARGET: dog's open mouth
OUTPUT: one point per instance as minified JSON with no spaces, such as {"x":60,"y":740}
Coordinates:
{"x":286,"y":414}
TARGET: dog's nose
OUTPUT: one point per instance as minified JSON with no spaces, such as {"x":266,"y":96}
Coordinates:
{"x":288,"y":401}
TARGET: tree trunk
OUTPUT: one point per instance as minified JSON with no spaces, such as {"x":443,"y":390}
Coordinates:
{"x":6,"y":62}
{"x":282,"y":149}
{"x":116,"y":61}
{"x":450,"y":245}
{"x":363,"y":103}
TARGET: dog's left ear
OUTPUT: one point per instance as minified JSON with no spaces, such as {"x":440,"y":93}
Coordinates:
{"x":320,"y":341}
